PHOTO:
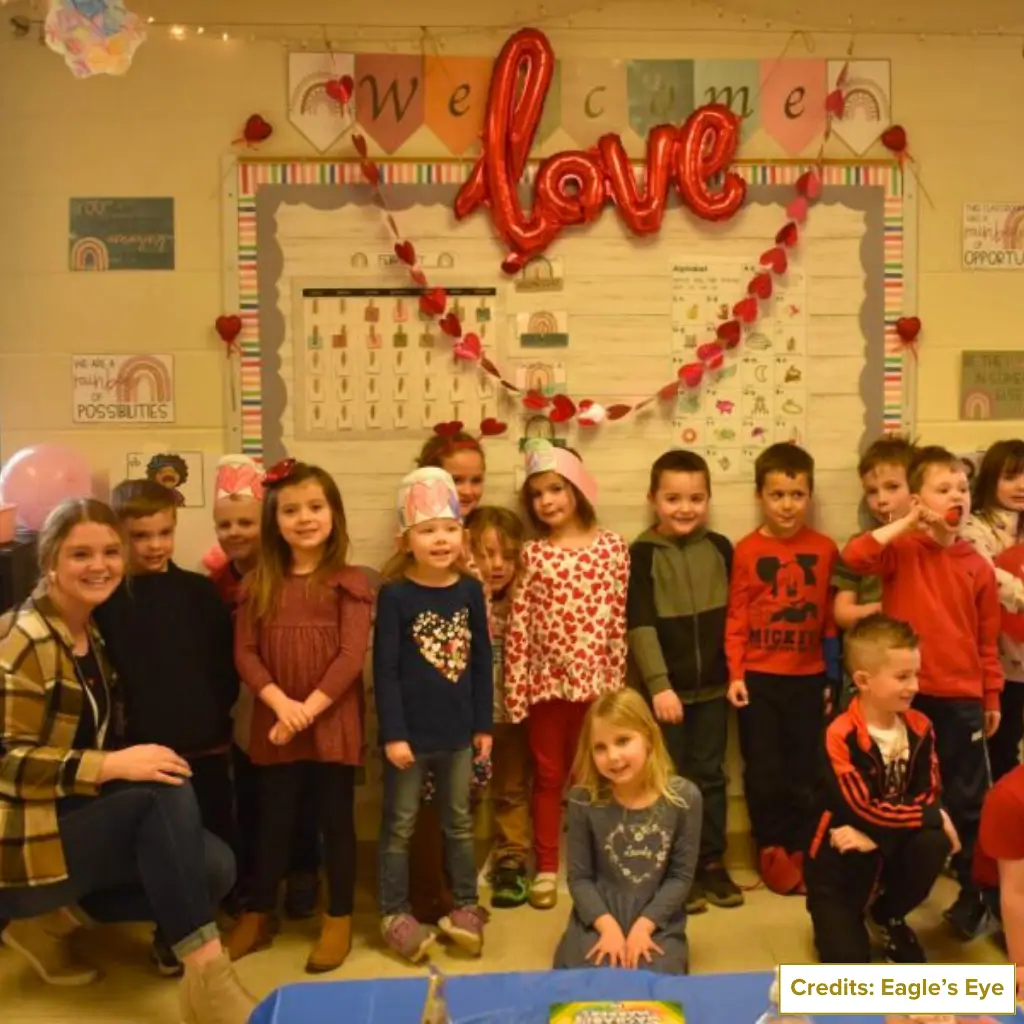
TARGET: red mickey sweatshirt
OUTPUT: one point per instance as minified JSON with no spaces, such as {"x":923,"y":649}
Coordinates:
{"x":949,"y":595}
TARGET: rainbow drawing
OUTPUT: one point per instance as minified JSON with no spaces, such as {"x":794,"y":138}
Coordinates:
{"x":977,"y":405}
{"x":151,"y":372}
{"x":90,"y":254}
{"x":310,"y":96}
{"x":865,"y":98}
{"x":1013,"y":229}
{"x":543,"y":323}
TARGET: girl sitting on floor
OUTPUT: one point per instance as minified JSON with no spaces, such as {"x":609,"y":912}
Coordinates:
{"x":633,"y":839}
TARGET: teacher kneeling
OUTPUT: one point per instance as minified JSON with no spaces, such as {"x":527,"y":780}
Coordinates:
{"x":89,"y":832}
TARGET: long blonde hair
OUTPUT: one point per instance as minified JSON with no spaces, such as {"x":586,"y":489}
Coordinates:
{"x":627,"y":710}
{"x":275,"y":556}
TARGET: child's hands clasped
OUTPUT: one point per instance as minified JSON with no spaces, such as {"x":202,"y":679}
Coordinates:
{"x":280,"y":734}
{"x":400,"y":754}
{"x":610,"y":944}
{"x":847,"y":839}
{"x":293,"y":713}
{"x":640,"y":944}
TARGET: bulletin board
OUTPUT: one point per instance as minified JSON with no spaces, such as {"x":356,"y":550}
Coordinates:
{"x":338,"y":368}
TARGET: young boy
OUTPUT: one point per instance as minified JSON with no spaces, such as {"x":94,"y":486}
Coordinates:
{"x":782,"y":653}
{"x":999,"y":863}
{"x":882,"y":823}
{"x":675,"y":614}
{"x":938,"y":583}
{"x":170,"y":638}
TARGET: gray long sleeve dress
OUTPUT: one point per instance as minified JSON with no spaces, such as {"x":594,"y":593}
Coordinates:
{"x":631,"y":863}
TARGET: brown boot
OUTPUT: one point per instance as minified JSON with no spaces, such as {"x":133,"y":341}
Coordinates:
{"x":251,"y":934}
{"x":333,"y":945}
{"x":212,"y":994}
{"x":44,"y":942}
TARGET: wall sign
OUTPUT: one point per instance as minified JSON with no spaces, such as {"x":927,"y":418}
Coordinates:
{"x":122,"y":389}
{"x":992,"y":385}
{"x":993,"y":236}
{"x":121,"y":234}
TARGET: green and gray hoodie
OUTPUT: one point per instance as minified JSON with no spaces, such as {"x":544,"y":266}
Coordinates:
{"x":675,"y":613}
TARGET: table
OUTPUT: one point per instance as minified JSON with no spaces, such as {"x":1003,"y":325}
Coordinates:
{"x":524,"y":998}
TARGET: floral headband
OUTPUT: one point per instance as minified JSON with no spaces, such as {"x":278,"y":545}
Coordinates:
{"x":544,"y":457}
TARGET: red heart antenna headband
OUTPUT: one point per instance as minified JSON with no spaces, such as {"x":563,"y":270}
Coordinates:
{"x":490,"y":427}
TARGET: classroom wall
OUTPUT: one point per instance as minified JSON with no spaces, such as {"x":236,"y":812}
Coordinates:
{"x":163,"y":129}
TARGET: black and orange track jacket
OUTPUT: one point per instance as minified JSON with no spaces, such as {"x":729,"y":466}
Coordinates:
{"x":853,"y":790}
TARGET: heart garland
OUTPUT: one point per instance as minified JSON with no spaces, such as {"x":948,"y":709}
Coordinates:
{"x":710,"y":355}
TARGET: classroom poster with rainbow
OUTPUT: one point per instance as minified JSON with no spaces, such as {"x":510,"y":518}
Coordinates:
{"x":131,"y":389}
{"x":107,"y":233}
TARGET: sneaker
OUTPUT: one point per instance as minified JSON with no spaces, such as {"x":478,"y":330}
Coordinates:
{"x":898,"y":941}
{"x":509,"y":887}
{"x":301,"y":895}
{"x":162,"y":956}
{"x":465,"y":927}
{"x":404,"y":935}
{"x":967,"y":916}
{"x":544,"y":891}
{"x":696,"y":900}
{"x":718,"y":887}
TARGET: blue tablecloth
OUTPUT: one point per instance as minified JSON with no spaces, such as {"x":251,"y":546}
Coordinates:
{"x":523,"y":998}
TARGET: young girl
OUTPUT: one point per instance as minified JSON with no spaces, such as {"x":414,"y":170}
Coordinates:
{"x":566,"y":636}
{"x":300,"y":642}
{"x":634,"y":834}
{"x":496,"y":539}
{"x":433,"y":681}
{"x":993,"y":527}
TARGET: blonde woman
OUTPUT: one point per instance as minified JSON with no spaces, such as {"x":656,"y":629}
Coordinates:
{"x":116,"y":833}
{"x":634,"y":837}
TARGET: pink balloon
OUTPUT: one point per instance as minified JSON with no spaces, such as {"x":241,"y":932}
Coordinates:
{"x":39,"y":478}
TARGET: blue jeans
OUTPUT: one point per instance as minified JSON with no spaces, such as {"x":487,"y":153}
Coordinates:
{"x":136,"y":852}
{"x":453,"y":772}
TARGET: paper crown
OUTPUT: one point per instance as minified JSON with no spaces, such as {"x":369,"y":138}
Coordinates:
{"x":425,"y":494}
{"x":238,"y":475}
{"x":544,"y":457}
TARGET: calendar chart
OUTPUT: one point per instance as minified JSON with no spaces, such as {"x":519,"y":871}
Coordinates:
{"x":368,"y":363}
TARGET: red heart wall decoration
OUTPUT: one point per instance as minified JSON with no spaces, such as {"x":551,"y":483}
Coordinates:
{"x":895,"y":139}
{"x":775,"y":259}
{"x":761,"y":286}
{"x":746,"y":309}
{"x":228,"y":327}
{"x":257,"y":129}
{"x":562,"y":409}
{"x":432,"y":303}
{"x":449,"y":323}
{"x":729,"y":333}
{"x":908,"y":328}
{"x":341,"y":89}
{"x":492,"y":427}
{"x":406,"y":253}
{"x":691,"y":374}
{"x":788,"y":235}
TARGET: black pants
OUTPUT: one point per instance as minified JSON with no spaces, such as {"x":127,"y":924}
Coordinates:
{"x":215,"y":794}
{"x":963,"y":761}
{"x":280,"y":790}
{"x":1004,"y":745}
{"x":305,"y":852}
{"x":697,"y":748}
{"x":840,"y":887}
{"x":780,"y":739}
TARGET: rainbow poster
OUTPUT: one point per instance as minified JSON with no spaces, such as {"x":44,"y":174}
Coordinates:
{"x":135,"y":389}
{"x":121,"y":234}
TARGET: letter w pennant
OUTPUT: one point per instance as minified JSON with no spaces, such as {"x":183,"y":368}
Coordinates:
{"x":389,"y":97}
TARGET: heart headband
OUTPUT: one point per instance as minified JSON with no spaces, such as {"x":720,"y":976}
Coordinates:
{"x":544,"y":457}
{"x":238,"y":475}
{"x":425,"y":494}
{"x":490,"y":427}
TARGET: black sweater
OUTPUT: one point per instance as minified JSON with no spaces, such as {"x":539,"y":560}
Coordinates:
{"x":170,"y":639}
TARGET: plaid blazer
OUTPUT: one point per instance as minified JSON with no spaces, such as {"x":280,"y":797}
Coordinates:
{"x":41,"y":703}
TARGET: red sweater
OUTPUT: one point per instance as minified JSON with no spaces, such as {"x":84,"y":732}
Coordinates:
{"x":949,"y":595}
{"x":780,"y":604}
{"x":1001,"y":834}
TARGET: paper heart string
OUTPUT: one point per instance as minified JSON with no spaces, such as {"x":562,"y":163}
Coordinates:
{"x":535,"y":400}
{"x":797,"y":209}
{"x":691,"y":374}
{"x":729,"y":333}
{"x":449,"y":323}
{"x":788,"y":235}
{"x":709,"y":351}
{"x":492,"y":427}
{"x":406,"y":253}
{"x":340,"y":89}
{"x":775,"y":259}
{"x":761,"y":286}
{"x":590,"y":414}
{"x":563,"y":408}
{"x":467,"y":348}
{"x":746,"y":310}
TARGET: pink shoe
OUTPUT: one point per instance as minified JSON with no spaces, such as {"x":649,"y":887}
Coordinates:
{"x":465,"y":927}
{"x":405,"y":936}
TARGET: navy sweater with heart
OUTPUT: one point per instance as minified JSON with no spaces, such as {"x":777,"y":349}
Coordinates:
{"x":432,"y":672}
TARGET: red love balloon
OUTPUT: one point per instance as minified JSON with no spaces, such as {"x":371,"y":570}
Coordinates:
{"x":707,"y":145}
{"x":570,"y":188}
{"x":642,"y":213}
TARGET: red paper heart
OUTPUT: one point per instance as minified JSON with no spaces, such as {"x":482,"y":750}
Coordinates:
{"x":729,"y":333}
{"x":788,"y":235}
{"x":492,"y":427}
{"x":761,"y":286}
{"x":535,"y":400}
{"x":616,"y":412}
{"x":669,"y":391}
{"x":449,"y":323}
{"x":746,"y":309}
{"x":371,"y":172}
{"x":775,"y":260}
{"x":709,"y":350}
{"x":895,"y":139}
{"x":835,"y":103}
{"x":257,"y":129}
{"x":467,"y":348}
{"x":228,"y":327}
{"x":809,"y":184}
{"x":691,"y":374}
{"x":563,"y":408}
{"x":359,"y":143}
{"x":449,"y":429}
{"x":406,"y":253}
{"x":418,"y":276}
{"x":340,"y":89}
{"x":797,"y":209}
{"x":432,"y":303}
{"x":715,"y":362}
{"x":908,"y":328}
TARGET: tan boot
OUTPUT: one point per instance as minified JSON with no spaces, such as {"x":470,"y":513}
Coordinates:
{"x":333,"y":945}
{"x":45,"y":942}
{"x":212,"y":994}
{"x":252,"y":933}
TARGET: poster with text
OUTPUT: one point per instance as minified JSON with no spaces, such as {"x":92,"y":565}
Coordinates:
{"x":137,"y":390}
{"x":180,"y":472}
{"x":121,"y":234}
{"x":993,"y":236}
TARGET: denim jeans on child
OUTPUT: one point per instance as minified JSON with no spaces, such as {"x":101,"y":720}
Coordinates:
{"x":453,"y":772}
